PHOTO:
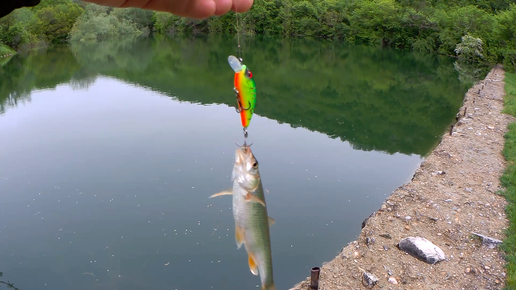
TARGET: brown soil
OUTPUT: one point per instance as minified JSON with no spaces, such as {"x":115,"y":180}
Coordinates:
{"x":452,"y":194}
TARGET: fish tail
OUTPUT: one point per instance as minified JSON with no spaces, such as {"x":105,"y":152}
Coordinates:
{"x":269,"y":287}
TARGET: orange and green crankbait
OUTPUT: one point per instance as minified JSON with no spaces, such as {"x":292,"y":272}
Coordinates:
{"x":245,"y":90}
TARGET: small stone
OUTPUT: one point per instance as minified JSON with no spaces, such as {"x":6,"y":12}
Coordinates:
{"x":468,"y":270}
{"x":392,"y":280}
{"x":407,"y":228}
{"x":385,"y":247}
{"x":407,"y":218}
{"x":422,"y":249}
{"x":448,"y":200}
{"x":370,"y":241}
{"x":369,"y":280}
{"x":387,"y":236}
{"x":488,"y":241}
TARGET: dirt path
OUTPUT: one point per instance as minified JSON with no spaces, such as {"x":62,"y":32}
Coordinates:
{"x":451,"y":195}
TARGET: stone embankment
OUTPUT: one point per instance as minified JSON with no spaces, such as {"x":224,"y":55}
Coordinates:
{"x":451,"y":202}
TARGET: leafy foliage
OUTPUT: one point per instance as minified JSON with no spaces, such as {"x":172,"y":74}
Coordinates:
{"x":55,"y":22}
{"x":97,"y":25}
{"x":444,"y":27}
{"x":470,"y":48}
{"x":5,"y":50}
{"x":49,"y":22}
{"x":425,"y":26}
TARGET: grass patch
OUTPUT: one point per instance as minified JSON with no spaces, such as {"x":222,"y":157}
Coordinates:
{"x":510,"y":97}
{"x":4,"y":49}
{"x":508,"y":180}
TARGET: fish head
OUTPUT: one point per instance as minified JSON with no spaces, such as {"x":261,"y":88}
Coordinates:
{"x":245,"y":171}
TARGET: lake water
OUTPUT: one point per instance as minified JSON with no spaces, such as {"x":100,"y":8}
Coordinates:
{"x":109,"y":152}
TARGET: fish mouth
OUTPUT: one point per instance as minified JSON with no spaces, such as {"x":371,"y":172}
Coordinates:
{"x":242,"y":154}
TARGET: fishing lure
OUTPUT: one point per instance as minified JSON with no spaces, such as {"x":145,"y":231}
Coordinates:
{"x":245,"y":89}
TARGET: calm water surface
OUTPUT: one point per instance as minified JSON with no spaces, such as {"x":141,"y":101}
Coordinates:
{"x":109,"y":152}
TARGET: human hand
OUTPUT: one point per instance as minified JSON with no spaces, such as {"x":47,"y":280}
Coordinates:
{"x":199,"y":9}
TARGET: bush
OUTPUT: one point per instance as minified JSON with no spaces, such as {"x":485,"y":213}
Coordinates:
{"x":16,"y":36}
{"x":55,"y":22}
{"x":91,"y":26}
{"x":5,"y":50}
{"x":470,"y":48}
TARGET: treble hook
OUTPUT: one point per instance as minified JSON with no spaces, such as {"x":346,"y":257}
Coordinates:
{"x":245,"y":140}
{"x":238,"y":110}
{"x":240,"y":107}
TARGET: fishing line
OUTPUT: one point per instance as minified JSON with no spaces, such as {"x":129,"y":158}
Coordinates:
{"x":239,"y":48}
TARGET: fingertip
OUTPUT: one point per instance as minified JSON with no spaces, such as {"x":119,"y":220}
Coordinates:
{"x":223,"y":7}
{"x":204,"y":9}
{"x":241,"y":6}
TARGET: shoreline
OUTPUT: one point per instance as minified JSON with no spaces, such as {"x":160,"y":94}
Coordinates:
{"x":452,"y":194}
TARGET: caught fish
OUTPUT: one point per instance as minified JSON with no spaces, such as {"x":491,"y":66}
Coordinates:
{"x":245,"y":90}
{"x":250,"y":213}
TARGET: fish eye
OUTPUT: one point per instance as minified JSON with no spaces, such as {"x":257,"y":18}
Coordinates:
{"x":255,"y":164}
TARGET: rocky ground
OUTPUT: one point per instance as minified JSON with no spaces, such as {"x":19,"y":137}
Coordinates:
{"x":452,"y":195}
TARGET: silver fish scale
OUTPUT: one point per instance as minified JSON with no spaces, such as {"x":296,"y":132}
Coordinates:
{"x":253,"y":218}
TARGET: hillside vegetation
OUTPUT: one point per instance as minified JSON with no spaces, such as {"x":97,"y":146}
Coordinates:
{"x":478,"y":31}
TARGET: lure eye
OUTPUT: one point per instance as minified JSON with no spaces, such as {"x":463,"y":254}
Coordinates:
{"x":249,"y":74}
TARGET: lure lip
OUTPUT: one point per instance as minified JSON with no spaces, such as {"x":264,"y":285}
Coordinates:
{"x":235,"y":64}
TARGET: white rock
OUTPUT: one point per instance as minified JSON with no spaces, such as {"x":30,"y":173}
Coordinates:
{"x":488,"y":241}
{"x":422,"y":249}
{"x":369,"y":280}
{"x":393,"y":280}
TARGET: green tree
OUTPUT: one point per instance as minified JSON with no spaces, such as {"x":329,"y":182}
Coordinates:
{"x":55,"y":22}
{"x":101,"y":23}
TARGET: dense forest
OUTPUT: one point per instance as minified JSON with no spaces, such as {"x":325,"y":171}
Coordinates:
{"x":478,"y":31}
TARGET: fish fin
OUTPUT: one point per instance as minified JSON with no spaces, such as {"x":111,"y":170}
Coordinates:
{"x":252,"y":198}
{"x":252,"y":265}
{"x":225,"y":192}
{"x":271,"y":221}
{"x":239,"y":236}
